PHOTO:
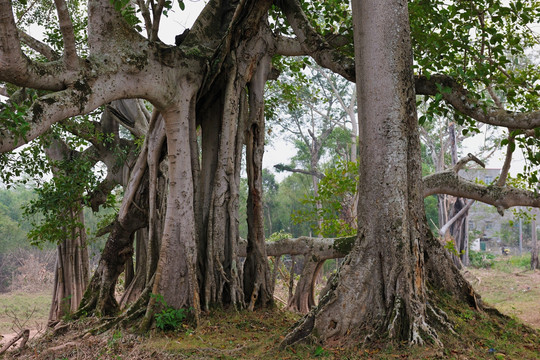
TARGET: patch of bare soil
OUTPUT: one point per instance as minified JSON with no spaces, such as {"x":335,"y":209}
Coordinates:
{"x":515,"y":293}
{"x":5,"y":338}
{"x":72,"y":341}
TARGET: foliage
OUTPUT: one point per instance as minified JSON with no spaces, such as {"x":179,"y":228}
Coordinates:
{"x":510,"y":264}
{"x":59,"y":200}
{"x":478,"y":259}
{"x":337,"y":192}
{"x":281,"y":234}
{"x":451,"y":247}
{"x":13,"y":228}
{"x":169,"y":318}
{"x":289,"y":199}
{"x":432,"y":212}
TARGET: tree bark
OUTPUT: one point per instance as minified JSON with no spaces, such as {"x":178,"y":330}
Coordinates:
{"x":257,"y":278}
{"x":175,"y":277}
{"x":534,"y":248}
{"x":71,"y":272}
{"x":380,"y":289}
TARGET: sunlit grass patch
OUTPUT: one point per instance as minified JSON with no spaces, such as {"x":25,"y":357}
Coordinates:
{"x":30,"y":310}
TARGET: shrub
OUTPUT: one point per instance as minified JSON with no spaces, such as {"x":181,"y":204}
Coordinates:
{"x":169,"y":318}
{"x":480,"y":260}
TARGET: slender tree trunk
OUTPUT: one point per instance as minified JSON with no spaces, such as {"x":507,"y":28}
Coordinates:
{"x":72,"y":265}
{"x":534,"y":247}
{"x":71,"y":272}
{"x":303,"y":299}
{"x":257,"y":278}
{"x":136,"y":286}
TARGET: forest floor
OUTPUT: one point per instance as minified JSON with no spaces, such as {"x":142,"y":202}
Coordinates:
{"x":229,"y":334}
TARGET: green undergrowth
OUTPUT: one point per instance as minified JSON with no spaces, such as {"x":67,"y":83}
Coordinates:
{"x":510,"y":264}
{"x":230,"y":334}
{"x":244,"y":335}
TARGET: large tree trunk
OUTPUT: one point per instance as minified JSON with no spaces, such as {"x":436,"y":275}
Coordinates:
{"x":99,"y":296}
{"x":222,"y":127}
{"x":175,"y":277}
{"x":380,"y":290}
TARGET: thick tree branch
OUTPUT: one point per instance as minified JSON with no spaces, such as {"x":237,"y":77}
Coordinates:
{"x":448,"y":182}
{"x":459,"y":98}
{"x":16,"y":68}
{"x":281,"y":167}
{"x":313,"y":43}
{"x":49,"y":109}
{"x":507,"y":160}
{"x":288,"y":46}
{"x":38,"y":46}
{"x":11,"y":55}
{"x":71,"y":59}
{"x":322,"y":248}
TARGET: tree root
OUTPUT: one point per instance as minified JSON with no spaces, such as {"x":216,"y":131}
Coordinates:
{"x":440,"y":317}
{"x":301,"y":330}
{"x":61,"y":347}
{"x":25,"y":334}
{"x":135,"y":311}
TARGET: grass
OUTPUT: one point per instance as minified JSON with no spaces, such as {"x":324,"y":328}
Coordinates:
{"x":511,"y":287}
{"x":18,"y":309}
{"x":230,"y":334}
{"x":511,"y":264}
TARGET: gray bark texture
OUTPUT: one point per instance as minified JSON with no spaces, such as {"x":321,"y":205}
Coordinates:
{"x":386,"y":267}
{"x":71,"y":273}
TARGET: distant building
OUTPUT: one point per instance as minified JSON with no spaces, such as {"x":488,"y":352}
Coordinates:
{"x":485,"y":224}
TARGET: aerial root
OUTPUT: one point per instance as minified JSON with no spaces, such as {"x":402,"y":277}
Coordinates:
{"x":441,"y":317}
{"x":300,"y":331}
{"x":135,"y":311}
{"x":422,"y":330}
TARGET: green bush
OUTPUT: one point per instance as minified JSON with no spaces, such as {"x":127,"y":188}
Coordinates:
{"x":478,"y":259}
{"x":512,"y":263}
{"x":169,"y":318}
